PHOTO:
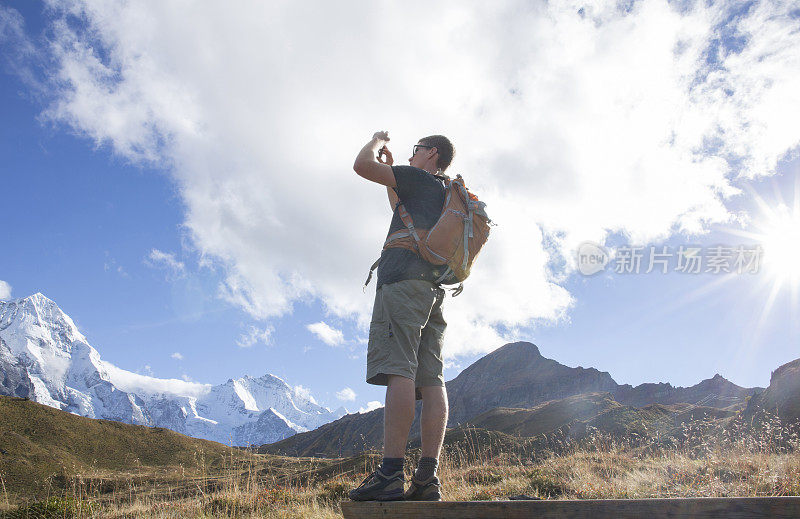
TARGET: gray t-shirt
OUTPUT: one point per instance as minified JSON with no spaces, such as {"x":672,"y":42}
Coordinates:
{"x":422,"y":194}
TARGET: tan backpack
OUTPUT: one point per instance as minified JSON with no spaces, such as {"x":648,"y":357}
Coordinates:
{"x":454,"y":240}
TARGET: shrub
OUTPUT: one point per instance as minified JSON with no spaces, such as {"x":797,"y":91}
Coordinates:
{"x":275,"y":495}
{"x":544,"y":484}
{"x":226,"y":507}
{"x":333,"y":491}
{"x":482,"y":476}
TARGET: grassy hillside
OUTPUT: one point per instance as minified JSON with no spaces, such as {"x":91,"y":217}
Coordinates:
{"x":169,"y":475}
{"x":347,"y":436}
{"x":41,"y":447}
{"x":545,"y":417}
{"x":45,"y":450}
{"x":573,"y":417}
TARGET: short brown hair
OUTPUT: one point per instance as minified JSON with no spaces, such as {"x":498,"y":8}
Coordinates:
{"x":444,"y":147}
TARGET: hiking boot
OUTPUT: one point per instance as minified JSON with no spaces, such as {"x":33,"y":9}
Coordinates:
{"x":379,"y":487}
{"x":428,"y":490}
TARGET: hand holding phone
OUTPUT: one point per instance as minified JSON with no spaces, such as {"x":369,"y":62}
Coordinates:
{"x":384,"y":152}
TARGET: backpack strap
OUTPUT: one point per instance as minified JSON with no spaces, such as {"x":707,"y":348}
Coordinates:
{"x":408,"y":222}
{"x":468,"y":233}
{"x":369,"y":277}
{"x":408,"y":238}
{"x":444,"y":276}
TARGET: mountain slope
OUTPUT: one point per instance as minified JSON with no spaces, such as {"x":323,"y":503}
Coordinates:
{"x":347,"y":436}
{"x":545,"y":417}
{"x":39,"y":443}
{"x":526,"y":393}
{"x":517,"y":375}
{"x":712,"y":392}
{"x":782,"y":397}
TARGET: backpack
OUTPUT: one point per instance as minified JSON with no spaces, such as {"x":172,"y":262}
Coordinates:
{"x":454,"y":240}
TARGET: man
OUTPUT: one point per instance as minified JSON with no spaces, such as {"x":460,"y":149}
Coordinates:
{"x":407,"y":328}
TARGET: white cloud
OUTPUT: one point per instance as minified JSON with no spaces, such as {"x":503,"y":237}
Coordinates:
{"x":346,"y":394}
{"x":255,"y":335}
{"x":15,"y":48}
{"x":165,"y":260}
{"x":5,"y":290}
{"x":327,"y":334}
{"x":571,"y":120}
{"x":304,"y":393}
{"x":371,"y":406}
{"x":177,"y":356}
{"x":147,"y":384}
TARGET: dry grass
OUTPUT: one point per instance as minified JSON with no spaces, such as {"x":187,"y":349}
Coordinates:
{"x":705,"y":459}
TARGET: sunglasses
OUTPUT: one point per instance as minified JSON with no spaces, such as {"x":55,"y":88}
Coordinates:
{"x":417,"y":146}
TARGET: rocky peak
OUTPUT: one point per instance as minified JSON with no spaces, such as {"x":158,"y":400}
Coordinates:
{"x":520,"y":348}
{"x":717,"y":381}
{"x":517,"y":375}
{"x":786,"y":370}
{"x":40,"y":316}
{"x":714,"y":392}
{"x":782,"y":397}
{"x":515,"y":356}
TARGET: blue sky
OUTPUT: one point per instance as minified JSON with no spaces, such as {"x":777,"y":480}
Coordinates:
{"x":104,"y":164}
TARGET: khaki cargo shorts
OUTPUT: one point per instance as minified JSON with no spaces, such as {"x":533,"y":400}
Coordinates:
{"x":406,"y":334}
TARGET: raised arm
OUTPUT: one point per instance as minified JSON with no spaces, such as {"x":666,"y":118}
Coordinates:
{"x":367,"y":164}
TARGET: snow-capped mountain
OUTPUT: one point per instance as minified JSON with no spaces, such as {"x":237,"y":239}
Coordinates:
{"x":44,"y":357}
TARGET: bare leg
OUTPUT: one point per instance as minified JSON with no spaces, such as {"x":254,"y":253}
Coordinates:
{"x":398,"y":416}
{"x":433,"y":420}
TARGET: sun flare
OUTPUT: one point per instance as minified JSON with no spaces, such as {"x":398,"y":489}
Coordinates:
{"x":781,"y":243}
{"x":775,"y":229}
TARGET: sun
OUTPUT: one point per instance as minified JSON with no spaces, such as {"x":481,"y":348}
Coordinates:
{"x":775,"y":227}
{"x":780,"y":238}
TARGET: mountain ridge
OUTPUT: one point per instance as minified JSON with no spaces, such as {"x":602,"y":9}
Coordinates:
{"x":521,"y":378}
{"x":46,"y":358}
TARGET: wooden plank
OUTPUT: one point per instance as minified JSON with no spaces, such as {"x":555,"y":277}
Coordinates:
{"x":679,"y":508}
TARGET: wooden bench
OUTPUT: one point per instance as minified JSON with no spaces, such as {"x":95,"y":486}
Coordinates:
{"x":681,"y":508}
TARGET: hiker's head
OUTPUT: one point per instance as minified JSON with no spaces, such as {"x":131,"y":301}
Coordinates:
{"x":432,"y":153}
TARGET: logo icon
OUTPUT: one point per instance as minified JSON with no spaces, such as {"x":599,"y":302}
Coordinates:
{"x":591,"y":258}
